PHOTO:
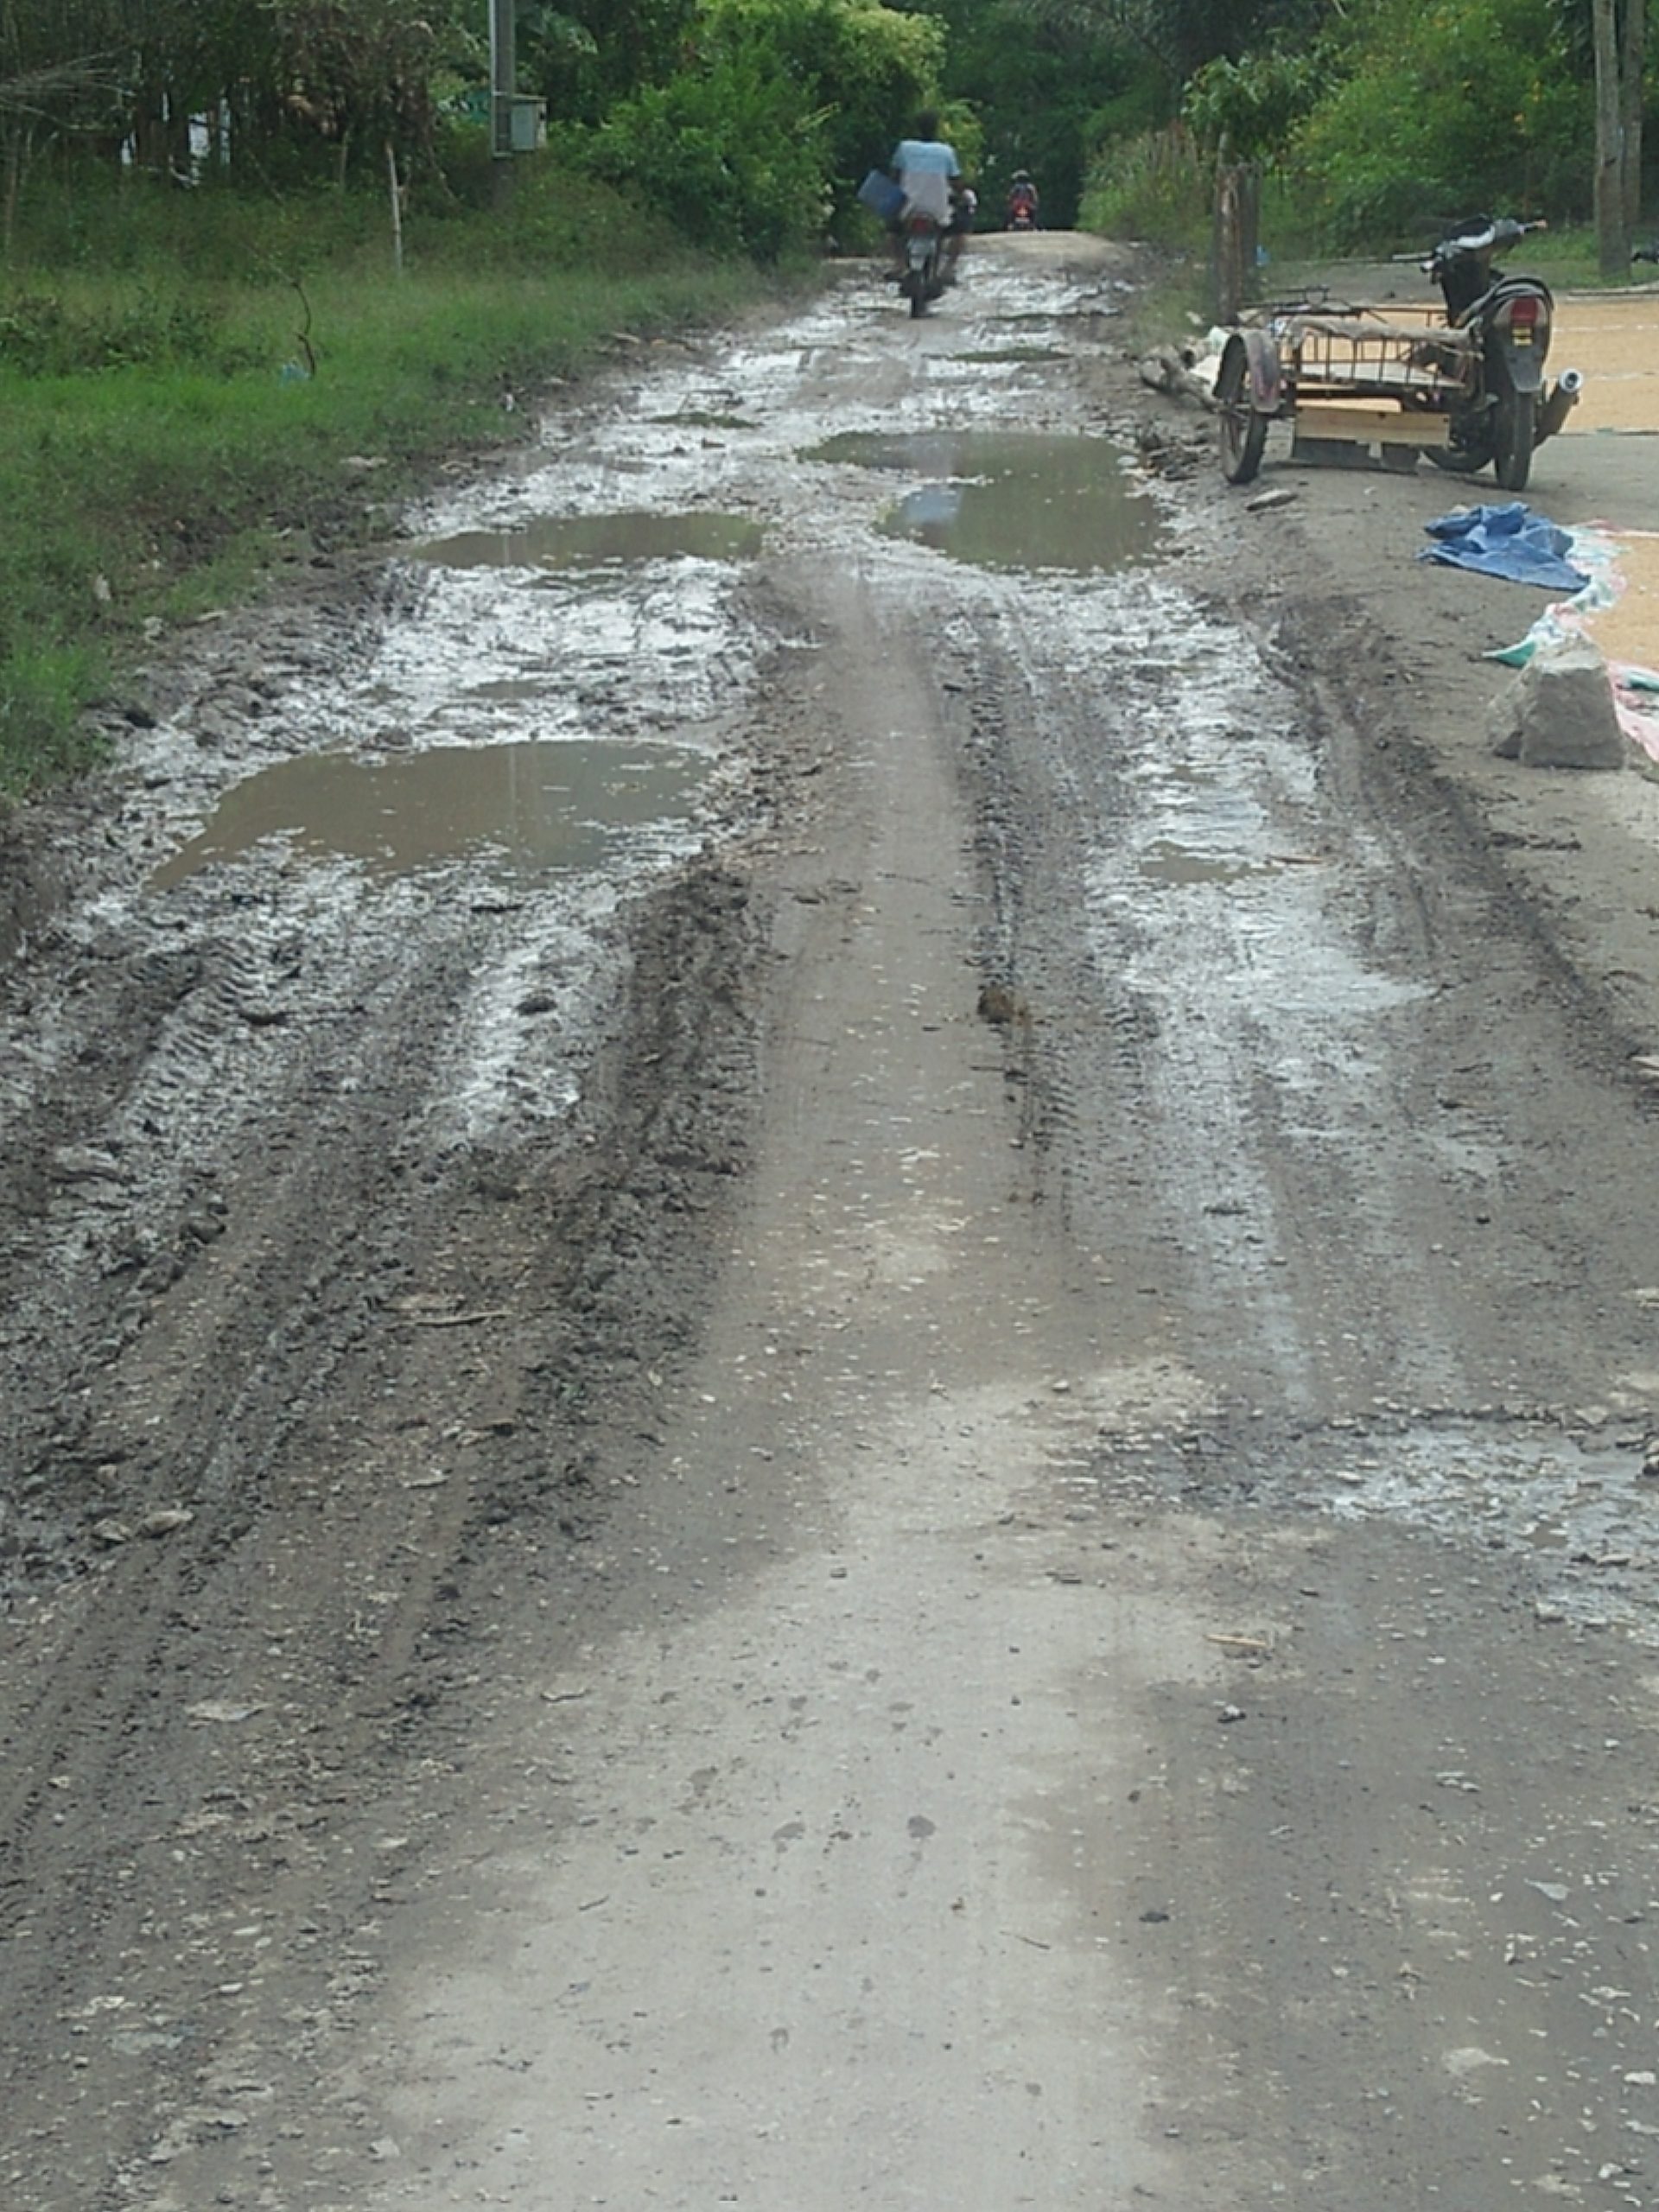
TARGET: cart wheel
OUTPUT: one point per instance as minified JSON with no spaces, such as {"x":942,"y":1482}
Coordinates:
{"x":1517,"y":435}
{"x":1242,"y":431}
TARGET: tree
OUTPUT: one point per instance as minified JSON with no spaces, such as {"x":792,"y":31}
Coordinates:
{"x":1619,"y":30}
{"x":35,"y":101}
{"x":1438,"y":108}
{"x":1248,"y":110}
{"x":778,"y":107}
{"x":1038,"y":82}
{"x":584,"y":55}
{"x":1181,"y":35}
{"x":357,"y":75}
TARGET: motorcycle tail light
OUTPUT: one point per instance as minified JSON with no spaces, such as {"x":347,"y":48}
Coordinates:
{"x":1525,"y":310}
{"x":920,"y":225}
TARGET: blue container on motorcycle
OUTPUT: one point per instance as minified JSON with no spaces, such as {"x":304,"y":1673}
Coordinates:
{"x":881,"y":195}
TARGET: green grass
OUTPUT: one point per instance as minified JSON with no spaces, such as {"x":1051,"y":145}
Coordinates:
{"x":165,"y":436}
{"x":1566,"y":256}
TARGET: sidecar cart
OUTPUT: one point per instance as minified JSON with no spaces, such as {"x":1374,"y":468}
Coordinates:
{"x":1341,"y":377}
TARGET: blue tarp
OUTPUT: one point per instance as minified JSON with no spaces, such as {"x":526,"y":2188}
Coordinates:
{"x":1510,"y":541}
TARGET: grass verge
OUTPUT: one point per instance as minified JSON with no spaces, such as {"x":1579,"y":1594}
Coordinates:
{"x":169,"y":432}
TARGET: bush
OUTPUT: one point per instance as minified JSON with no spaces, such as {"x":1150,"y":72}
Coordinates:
{"x":729,"y":151}
{"x":43,"y":335}
{"x":1157,"y":185}
{"x":106,"y":223}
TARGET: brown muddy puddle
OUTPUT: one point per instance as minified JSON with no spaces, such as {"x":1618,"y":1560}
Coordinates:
{"x":1010,"y":499}
{"x":1167,"y":862}
{"x":576,"y":542}
{"x":533,"y":805}
{"x":998,"y":356}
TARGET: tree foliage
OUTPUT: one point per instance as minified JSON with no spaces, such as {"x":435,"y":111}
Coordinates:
{"x":751,"y":120}
{"x":1181,"y":35}
{"x":326,"y":79}
{"x":1250,"y":110}
{"x":583,"y":56}
{"x":1041,"y":81}
{"x":777,"y":108}
{"x":1441,"y":108}
{"x":1391,"y":116}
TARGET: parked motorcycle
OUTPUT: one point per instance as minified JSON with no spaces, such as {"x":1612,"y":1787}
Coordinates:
{"x":1507,"y":409}
{"x":921,"y":275}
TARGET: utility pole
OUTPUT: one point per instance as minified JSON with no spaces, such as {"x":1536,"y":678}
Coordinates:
{"x":503,"y":83}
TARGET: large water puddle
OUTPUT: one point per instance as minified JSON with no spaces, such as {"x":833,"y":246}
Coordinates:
{"x":1011,"y":499}
{"x":598,"y":542}
{"x":533,"y":806}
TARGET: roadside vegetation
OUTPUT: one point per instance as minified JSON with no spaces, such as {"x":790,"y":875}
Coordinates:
{"x":1375,"y":122}
{"x":183,"y":424}
{"x":258,"y":268}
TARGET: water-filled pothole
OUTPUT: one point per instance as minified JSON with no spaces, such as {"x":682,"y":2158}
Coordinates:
{"x":533,"y":806}
{"x":1166,"y":861}
{"x":703,"y":418}
{"x":598,"y":542}
{"x":997,"y":357}
{"x":1011,"y":499}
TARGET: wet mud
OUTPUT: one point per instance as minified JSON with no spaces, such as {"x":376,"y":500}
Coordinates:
{"x":825,"y":1311}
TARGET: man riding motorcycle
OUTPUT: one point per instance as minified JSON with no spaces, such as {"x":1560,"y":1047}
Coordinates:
{"x":927,"y":172}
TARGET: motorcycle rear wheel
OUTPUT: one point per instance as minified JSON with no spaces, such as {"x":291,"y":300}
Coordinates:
{"x":1515,"y":435}
{"x":1458,"y":461}
{"x":1466,"y":459}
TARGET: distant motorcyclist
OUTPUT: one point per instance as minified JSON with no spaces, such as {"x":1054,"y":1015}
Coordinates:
{"x":1022,"y":201}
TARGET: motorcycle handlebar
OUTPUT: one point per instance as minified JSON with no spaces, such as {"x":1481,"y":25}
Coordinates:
{"x":1505,"y":229}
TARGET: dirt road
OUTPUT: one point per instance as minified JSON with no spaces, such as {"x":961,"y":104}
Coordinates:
{"x":830,"y":1339}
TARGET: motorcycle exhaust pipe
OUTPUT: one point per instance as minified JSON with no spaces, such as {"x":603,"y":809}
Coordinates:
{"x":1552,"y":416}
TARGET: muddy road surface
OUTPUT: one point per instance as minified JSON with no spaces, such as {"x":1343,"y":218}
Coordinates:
{"x":830,"y":1283}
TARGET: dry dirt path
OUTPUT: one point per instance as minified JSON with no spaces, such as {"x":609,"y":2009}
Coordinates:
{"x":924,"y":1490}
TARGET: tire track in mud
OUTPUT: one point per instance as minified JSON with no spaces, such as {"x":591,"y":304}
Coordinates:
{"x":202,"y":1732}
{"x":1233,"y":1010}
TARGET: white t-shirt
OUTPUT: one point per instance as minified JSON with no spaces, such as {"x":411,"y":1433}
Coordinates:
{"x":925,"y":167}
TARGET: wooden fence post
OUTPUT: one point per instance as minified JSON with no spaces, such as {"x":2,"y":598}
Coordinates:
{"x":1236,"y":233}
